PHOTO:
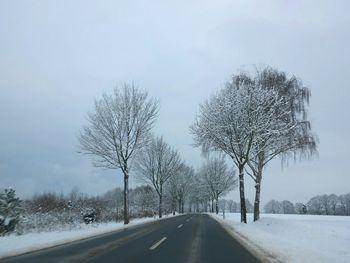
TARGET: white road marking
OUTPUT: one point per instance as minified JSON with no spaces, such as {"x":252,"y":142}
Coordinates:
{"x":157,"y":244}
{"x":180,"y":226}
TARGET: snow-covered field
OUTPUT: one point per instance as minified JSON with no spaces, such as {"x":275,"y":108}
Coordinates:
{"x":294,"y":238}
{"x":19,"y":244}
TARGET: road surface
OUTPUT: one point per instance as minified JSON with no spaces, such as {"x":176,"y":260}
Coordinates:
{"x":187,"y":238}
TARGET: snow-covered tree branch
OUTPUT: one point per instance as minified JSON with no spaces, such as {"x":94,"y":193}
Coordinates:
{"x":118,"y":128}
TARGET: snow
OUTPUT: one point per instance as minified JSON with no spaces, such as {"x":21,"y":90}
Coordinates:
{"x":7,"y":221}
{"x":294,"y":238}
{"x":19,"y":244}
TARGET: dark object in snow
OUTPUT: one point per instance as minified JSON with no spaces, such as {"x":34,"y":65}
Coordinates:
{"x":304,"y":209}
{"x":7,"y":225}
{"x":89,"y":217}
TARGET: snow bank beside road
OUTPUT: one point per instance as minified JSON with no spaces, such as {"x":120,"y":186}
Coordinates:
{"x":15,"y":245}
{"x":295,"y":238}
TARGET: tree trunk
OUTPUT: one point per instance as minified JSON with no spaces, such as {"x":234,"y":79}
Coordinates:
{"x":160,"y":201}
{"x":160,"y":206}
{"x":241,"y":194}
{"x":182,"y":206}
{"x":126,"y":196}
{"x":258,"y":176}
{"x":217,"y":206}
{"x":257,"y":198}
{"x":179,"y":206}
{"x":212,"y":206}
{"x":173,"y":205}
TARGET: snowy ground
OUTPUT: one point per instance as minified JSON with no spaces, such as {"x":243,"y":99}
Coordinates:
{"x":14,"y":244}
{"x":294,"y":238}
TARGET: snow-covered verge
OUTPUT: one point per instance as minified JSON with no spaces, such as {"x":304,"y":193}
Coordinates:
{"x":294,"y":238}
{"x":18,"y":244}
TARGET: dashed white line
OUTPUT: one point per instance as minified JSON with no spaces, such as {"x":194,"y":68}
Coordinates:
{"x":157,"y":244}
{"x":179,"y":226}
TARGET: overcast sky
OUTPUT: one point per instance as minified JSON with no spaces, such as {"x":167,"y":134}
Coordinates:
{"x":57,"y":56}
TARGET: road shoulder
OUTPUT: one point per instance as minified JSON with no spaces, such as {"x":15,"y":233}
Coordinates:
{"x":256,"y":250}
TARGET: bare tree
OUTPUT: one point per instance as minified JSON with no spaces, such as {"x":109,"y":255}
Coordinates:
{"x":218,"y":179}
{"x":118,"y":128}
{"x":156,"y":164}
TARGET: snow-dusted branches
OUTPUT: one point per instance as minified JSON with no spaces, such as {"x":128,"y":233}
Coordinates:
{"x":253,"y":119}
{"x":10,"y":210}
{"x":156,"y":164}
{"x":180,"y":185}
{"x":118,"y":128}
{"x":217,"y":178}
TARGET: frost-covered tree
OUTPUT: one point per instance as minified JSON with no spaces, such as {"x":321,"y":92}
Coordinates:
{"x":118,"y":128}
{"x":329,"y":203}
{"x":249,"y":206}
{"x":232,"y":206}
{"x":332,"y":203}
{"x":10,"y":210}
{"x":179,"y":186}
{"x":273,"y":207}
{"x":156,"y":164}
{"x":144,"y":199}
{"x":239,"y":120}
{"x":218,"y":178}
{"x":115,"y":199}
{"x":171,"y":190}
{"x":315,"y":206}
{"x":286,"y":130}
{"x":276,"y":207}
{"x":227,"y":123}
{"x":287,"y":207}
{"x":222,"y":205}
{"x":344,"y":204}
{"x":300,"y":208}
{"x":199,"y":196}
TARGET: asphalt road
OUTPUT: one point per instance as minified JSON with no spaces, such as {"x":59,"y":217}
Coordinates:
{"x":187,"y":238}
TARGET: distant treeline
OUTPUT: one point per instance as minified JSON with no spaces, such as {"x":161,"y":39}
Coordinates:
{"x":317,"y":205}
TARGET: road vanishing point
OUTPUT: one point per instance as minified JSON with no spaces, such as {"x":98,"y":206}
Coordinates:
{"x":186,"y":238}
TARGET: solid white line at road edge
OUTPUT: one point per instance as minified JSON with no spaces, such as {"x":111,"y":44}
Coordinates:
{"x":179,"y":226}
{"x":157,"y":244}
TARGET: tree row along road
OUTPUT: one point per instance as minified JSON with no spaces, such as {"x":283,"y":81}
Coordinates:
{"x":185,"y":238}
